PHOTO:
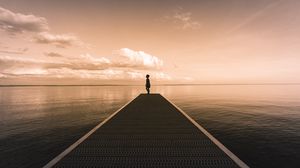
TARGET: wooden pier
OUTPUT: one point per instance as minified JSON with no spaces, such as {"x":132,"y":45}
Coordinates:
{"x":149,"y":131}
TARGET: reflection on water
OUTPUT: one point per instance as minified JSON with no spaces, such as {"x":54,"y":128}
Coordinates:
{"x":260,"y":123}
{"x":45,"y":120}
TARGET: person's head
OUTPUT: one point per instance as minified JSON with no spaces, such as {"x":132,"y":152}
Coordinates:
{"x":147,"y":76}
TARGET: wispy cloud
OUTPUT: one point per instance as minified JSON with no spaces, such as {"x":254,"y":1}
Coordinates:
{"x":254,"y":16}
{"x":84,"y":62}
{"x":53,"y":54}
{"x":2,"y":75}
{"x":16,"y":51}
{"x":89,"y":62}
{"x":96,"y":60}
{"x":8,"y":62}
{"x":133,"y":66}
{"x":184,"y":19}
{"x":61,"y":40}
{"x":18,"y":23}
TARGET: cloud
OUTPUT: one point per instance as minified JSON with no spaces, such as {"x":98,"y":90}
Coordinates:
{"x":138,"y":59}
{"x":255,"y":15}
{"x":64,"y":72}
{"x":60,"y":40}
{"x":88,"y":62}
{"x":92,"y":59}
{"x":105,"y":74}
{"x":9,"y":64}
{"x":184,"y":20}
{"x":53,"y":54}
{"x":2,"y":75}
{"x":133,"y":66}
{"x":161,"y":76}
{"x":17,"y":51}
{"x":140,"y":75}
{"x":18,"y":23}
{"x":83,"y":62}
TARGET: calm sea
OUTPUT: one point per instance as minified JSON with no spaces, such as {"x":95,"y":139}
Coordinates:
{"x":259,"y":123}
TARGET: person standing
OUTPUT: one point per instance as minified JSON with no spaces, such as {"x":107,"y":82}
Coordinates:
{"x":148,"y":85}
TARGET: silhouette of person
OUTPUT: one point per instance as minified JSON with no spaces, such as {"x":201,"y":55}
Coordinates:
{"x":148,"y":85}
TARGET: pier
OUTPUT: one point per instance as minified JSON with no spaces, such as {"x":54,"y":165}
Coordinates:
{"x":149,"y":131}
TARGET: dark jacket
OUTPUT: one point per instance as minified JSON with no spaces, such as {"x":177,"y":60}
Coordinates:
{"x":148,"y":83}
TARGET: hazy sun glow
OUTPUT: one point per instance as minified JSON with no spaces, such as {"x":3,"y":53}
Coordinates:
{"x":120,"y":41}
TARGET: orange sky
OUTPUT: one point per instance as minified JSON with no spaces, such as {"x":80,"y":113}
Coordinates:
{"x":175,"y":41}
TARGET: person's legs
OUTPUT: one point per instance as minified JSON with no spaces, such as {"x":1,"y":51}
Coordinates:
{"x":148,"y":90}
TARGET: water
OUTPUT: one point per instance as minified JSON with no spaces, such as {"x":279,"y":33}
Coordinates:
{"x":259,"y":123}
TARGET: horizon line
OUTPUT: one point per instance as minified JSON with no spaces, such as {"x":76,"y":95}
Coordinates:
{"x":176,"y":84}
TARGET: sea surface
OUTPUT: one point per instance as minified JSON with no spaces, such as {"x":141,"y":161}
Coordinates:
{"x":258,"y":123}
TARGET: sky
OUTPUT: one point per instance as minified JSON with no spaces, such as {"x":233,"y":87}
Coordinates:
{"x":175,"y":41}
